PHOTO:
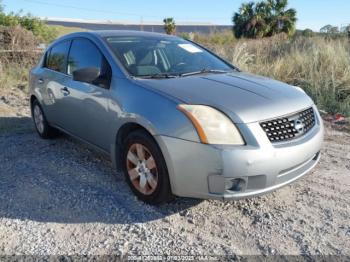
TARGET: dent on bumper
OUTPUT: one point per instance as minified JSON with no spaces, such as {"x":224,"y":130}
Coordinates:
{"x":202,"y":171}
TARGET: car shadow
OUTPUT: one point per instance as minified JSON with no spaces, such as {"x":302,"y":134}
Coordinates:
{"x":64,"y":181}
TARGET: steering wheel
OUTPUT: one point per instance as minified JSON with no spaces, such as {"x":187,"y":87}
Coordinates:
{"x":179,"y":66}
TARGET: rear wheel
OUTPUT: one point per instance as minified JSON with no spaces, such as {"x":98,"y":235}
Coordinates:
{"x":41,"y":125}
{"x":145,"y":169}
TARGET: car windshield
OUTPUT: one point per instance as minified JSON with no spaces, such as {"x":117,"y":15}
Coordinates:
{"x":164,"y":57}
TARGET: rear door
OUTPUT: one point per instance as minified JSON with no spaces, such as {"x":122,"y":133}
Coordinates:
{"x":53,"y":79}
{"x":88,"y":103}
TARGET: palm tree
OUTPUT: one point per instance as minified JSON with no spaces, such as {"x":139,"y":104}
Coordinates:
{"x":265,"y":18}
{"x":250,"y":21}
{"x":169,"y":26}
{"x":243,"y":21}
{"x":282,"y":20}
{"x":262,"y":12}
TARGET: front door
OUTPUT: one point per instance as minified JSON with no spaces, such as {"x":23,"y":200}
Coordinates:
{"x":88,"y":103}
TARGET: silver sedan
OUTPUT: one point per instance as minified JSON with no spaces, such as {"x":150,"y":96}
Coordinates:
{"x":175,"y":118}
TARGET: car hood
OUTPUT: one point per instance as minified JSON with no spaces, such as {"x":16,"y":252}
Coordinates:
{"x":244,"y":97}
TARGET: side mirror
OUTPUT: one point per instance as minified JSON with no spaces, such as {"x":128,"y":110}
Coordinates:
{"x":87,"y":74}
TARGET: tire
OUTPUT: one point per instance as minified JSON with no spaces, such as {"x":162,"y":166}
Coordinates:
{"x":142,"y":175}
{"x":42,"y":127}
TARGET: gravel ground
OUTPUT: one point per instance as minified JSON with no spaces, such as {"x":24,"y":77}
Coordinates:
{"x":61,"y":197}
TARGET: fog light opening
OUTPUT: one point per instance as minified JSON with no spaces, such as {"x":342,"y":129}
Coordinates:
{"x":236,"y":185}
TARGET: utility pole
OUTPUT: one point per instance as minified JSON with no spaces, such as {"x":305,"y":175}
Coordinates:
{"x":141,"y":23}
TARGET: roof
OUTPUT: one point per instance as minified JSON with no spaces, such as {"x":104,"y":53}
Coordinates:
{"x":106,"y":33}
{"x":111,"y":33}
{"x":122,"y":22}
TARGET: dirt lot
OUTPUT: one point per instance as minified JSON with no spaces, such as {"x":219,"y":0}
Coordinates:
{"x":61,"y":197}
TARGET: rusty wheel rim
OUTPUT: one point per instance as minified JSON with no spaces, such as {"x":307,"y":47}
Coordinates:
{"x":142,"y":169}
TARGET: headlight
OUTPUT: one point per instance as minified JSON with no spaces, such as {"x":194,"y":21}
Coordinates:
{"x":213,"y":127}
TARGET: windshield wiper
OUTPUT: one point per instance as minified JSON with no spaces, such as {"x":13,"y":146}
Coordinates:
{"x":158,"y":76}
{"x":174,"y":75}
{"x":205,"y":71}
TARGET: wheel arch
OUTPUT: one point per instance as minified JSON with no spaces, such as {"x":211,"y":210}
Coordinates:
{"x":32,"y":99}
{"x":122,"y":133}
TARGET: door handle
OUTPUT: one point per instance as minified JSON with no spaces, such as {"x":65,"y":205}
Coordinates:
{"x":65,"y":90}
{"x":40,"y":81}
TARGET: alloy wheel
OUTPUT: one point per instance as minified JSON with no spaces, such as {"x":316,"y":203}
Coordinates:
{"x":142,"y":169}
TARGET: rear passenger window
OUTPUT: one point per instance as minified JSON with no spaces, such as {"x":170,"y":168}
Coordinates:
{"x":57,"y":58}
{"x":84,"y":54}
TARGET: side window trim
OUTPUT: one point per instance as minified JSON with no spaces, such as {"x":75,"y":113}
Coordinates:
{"x":68,"y":52}
{"x":46,"y":58}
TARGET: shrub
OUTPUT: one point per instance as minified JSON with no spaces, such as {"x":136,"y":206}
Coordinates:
{"x":18,"y":53}
{"x":215,"y":38}
{"x":18,"y":45}
{"x":308,"y":33}
{"x":29,"y":22}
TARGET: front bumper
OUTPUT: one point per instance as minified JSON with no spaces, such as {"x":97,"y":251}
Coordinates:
{"x":207,"y":171}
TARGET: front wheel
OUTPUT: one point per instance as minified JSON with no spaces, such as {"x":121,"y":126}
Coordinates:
{"x":145,"y":169}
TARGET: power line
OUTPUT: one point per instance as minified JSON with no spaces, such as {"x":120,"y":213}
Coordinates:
{"x":108,"y":11}
{"x":82,"y":8}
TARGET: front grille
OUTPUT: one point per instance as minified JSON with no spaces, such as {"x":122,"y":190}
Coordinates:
{"x":289,"y":127}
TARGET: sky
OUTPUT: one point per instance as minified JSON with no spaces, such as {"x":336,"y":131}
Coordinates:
{"x":311,"y":14}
